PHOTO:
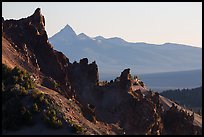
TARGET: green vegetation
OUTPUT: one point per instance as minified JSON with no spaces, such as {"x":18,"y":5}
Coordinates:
{"x":16,"y":76}
{"x":56,"y":84}
{"x":35,"y":107}
{"x":17,"y":111}
{"x":50,"y":117}
{"x":17,"y":87}
{"x":51,"y":83}
{"x":75,"y":127}
{"x":189,"y":97}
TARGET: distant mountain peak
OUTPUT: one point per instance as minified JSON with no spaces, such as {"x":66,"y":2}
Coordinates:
{"x":83,"y":36}
{"x":68,"y":31}
{"x":68,"y":27}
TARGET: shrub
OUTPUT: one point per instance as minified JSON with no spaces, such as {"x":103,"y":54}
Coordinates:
{"x":41,"y":98}
{"x":23,"y":91}
{"x":36,"y":93}
{"x":35,"y":107}
{"x":78,"y":128}
{"x":14,"y":90}
{"x":28,"y":84}
{"x":51,"y":119}
{"x":14,"y":113}
{"x":46,"y":102}
{"x":56,"y":84}
{"x":75,"y":127}
{"x":14,"y":79}
{"x":16,"y":76}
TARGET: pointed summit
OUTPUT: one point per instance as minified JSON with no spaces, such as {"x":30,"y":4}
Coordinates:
{"x":68,"y":28}
{"x":66,"y":34}
{"x":37,"y":11}
{"x":37,"y":20}
{"x":68,"y":31}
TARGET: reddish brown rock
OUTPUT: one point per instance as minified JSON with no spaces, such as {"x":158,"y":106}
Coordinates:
{"x":31,"y":41}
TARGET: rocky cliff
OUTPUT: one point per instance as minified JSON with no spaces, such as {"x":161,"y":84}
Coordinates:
{"x":29,"y":38}
{"x":119,"y":105}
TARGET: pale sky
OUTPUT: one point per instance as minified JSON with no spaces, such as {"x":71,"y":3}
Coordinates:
{"x":150,"y":22}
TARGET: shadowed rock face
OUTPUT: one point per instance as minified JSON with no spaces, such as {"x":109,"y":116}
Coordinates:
{"x":125,"y":79}
{"x":83,"y":77}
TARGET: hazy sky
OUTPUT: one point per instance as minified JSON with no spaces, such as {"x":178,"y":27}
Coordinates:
{"x":151,"y":22}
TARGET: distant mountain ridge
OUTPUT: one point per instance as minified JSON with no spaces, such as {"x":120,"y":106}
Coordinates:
{"x":114,"y":54}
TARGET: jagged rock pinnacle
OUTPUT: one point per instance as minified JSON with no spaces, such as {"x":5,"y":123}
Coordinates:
{"x":38,"y":21}
{"x":125,"y":79}
{"x":37,"y":11}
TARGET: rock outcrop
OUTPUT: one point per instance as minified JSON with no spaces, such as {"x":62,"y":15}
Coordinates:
{"x":125,"y":79}
{"x":30,"y":39}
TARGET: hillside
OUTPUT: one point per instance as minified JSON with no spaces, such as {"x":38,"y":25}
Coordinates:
{"x":44,"y":93}
{"x":191,"y":98}
{"x":39,"y":101}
